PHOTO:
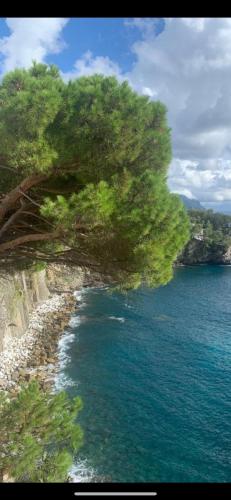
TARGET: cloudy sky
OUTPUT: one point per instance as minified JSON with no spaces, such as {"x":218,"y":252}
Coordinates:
{"x":184,"y":62}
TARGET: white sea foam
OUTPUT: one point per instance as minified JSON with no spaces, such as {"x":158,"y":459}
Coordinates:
{"x":64,"y":343}
{"x":62,"y":381}
{"x":116,"y":318}
{"x":75,"y":321}
{"x":78,"y":294}
{"x":81,"y":472}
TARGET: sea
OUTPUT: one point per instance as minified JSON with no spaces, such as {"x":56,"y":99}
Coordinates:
{"x":153,"y":368}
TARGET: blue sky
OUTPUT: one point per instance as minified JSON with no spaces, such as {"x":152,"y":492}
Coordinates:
{"x":110,"y":37}
{"x":103,"y":37}
{"x":184,"y":62}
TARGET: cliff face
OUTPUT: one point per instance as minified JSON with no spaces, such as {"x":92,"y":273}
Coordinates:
{"x":19,"y":294}
{"x":227,"y":256}
{"x":22,"y":292}
{"x":198,"y":252}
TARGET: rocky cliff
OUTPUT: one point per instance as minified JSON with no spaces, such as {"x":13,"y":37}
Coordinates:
{"x":22,"y":292}
{"x":199,"y":252}
{"x":19,"y":294}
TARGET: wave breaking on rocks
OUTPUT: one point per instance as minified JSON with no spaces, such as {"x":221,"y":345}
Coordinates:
{"x":34,"y":354}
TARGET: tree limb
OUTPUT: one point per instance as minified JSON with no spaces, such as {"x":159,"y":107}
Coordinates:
{"x":29,"y":198}
{"x":11,"y":220}
{"x":38,"y":217}
{"x":10,"y":169}
{"x":8,"y":245}
{"x":15,"y":194}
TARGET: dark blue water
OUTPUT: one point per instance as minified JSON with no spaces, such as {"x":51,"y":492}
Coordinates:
{"x":154,"y":371}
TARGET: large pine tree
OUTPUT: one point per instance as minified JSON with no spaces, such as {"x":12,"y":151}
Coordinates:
{"x":84,"y":177}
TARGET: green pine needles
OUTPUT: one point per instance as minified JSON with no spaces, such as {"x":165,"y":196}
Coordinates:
{"x":84,"y":178}
{"x":38,"y":435}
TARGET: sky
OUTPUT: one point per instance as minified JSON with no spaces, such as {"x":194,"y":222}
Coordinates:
{"x":184,"y":62}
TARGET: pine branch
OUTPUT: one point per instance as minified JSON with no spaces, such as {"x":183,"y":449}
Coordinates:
{"x":15,"y":194}
{"x":11,"y":220}
{"x":10,"y":169}
{"x":29,"y":198}
{"x":38,"y":217}
{"x":8,"y":245}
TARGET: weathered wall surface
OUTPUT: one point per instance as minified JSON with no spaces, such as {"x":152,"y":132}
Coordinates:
{"x":19,"y":294}
{"x":22,"y":292}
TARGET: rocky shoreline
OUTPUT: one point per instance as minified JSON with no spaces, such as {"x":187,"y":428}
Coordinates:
{"x":34,"y":355}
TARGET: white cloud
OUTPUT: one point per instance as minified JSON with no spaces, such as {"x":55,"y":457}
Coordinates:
{"x":206,"y":184}
{"x":88,"y":65}
{"x":147,"y":25}
{"x":147,"y":91}
{"x":30,"y":39}
{"x":188,"y":67}
{"x":195,"y":23}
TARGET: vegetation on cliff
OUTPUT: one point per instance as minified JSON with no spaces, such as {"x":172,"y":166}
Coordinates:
{"x":210,"y":238}
{"x":38,"y":435}
{"x":83,"y":178}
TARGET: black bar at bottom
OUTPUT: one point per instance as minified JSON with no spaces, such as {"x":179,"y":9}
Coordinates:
{"x":70,"y":491}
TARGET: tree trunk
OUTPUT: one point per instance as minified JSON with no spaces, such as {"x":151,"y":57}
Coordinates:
{"x":11,"y":220}
{"x":10,"y":245}
{"x":10,"y":199}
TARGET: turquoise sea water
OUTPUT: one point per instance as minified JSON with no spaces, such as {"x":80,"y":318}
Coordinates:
{"x":154,"y":371}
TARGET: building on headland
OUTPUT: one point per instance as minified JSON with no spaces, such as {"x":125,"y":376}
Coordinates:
{"x":200,"y":235}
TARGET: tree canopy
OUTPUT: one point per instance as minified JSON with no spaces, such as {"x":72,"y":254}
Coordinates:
{"x":38,"y":434}
{"x":84,"y":177}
